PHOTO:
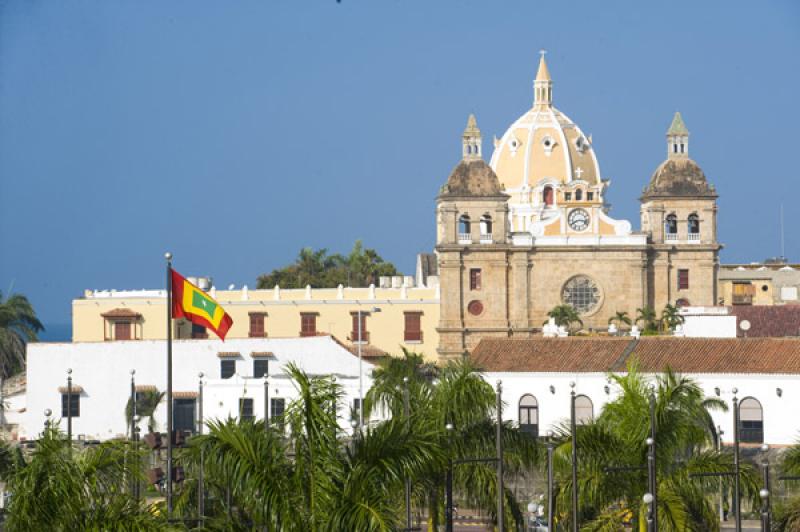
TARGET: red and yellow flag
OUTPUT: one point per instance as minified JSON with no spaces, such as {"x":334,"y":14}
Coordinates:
{"x":191,"y":303}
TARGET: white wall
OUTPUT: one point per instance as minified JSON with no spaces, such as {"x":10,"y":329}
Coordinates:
{"x":781,"y":424}
{"x":709,"y":326}
{"x":102,"y":369}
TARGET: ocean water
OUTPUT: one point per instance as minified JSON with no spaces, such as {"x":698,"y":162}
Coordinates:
{"x":56,"y":332}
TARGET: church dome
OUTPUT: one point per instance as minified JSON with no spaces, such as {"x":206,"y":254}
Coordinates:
{"x":678,"y":176}
{"x":544,"y":145}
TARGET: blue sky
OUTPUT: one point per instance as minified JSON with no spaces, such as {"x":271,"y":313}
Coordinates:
{"x":235,"y":133}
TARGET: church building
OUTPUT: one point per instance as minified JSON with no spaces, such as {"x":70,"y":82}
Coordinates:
{"x":531,"y":230}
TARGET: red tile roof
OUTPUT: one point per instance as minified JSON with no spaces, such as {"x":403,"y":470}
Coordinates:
{"x":686,"y":355}
{"x":772,"y":320}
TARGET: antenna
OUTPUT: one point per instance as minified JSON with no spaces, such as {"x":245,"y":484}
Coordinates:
{"x":783,"y":244}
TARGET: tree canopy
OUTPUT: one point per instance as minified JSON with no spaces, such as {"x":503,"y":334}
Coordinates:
{"x":361,"y":267}
{"x":18,"y":326}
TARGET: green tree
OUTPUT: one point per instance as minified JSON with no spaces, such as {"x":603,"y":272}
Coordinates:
{"x":361,"y":267}
{"x":565,"y":315}
{"x":146,"y":403}
{"x":647,"y":317}
{"x":617,"y":438}
{"x":620,"y":318}
{"x":18,"y":326}
{"x":65,"y":489}
{"x":670,"y":318}
{"x":787,"y":513}
{"x":456,"y":394}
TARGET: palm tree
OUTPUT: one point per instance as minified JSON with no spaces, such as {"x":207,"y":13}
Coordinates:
{"x":647,"y":317}
{"x":458,"y":395}
{"x":671,"y":318}
{"x":617,"y":439}
{"x":146,"y":403}
{"x":787,"y":515}
{"x":565,"y":315}
{"x":60,"y":488}
{"x":314,"y":479}
{"x":18,"y":326}
{"x":620,"y":318}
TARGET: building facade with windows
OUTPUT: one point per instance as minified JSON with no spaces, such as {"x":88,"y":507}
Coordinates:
{"x":531,"y":230}
{"x":536,"y":374}
{"x":233,"y":381}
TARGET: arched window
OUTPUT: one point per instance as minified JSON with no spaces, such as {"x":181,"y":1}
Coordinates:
{"x":579,"y":195}
{"x":751,"y":421}
{"x":694,"y":224}
{"x":464,"y":227}
{"x":584,"y":410}
{"x":671,"y":225}
{"x":529,"y":415}
{"x":547,"y":195}
{"x":486,"y":226}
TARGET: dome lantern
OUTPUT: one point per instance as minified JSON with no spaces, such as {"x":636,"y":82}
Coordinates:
{"x":677,"y":139}
{"x":471,"y":140}
{"x":542,"y":85}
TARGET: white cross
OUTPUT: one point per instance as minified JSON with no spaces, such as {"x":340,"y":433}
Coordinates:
{"x":578,"y":172}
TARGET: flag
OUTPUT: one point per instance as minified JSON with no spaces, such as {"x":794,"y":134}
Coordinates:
{"x":191,"y":303}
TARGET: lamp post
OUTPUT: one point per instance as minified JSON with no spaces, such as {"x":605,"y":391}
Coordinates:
{"x":499,"y":445}
{"x":201,"y":495}
{"x":133,"y":401}
{"x":136,"y":483}
{"x":532,"y":507}
{"x":764,"y":493}
{"x":737,"y":505}
{"x":551,"y":503}
{"x":69,"y":406}
{"x":573,"y":429}
{"x":266,"y":400}
{"x":651,"y":461}
{"x":407,"y":414}
{"x":47,"y":414}
{"x":647,"y":498}
{"x":360,"y":371}
{"x":718,"y":448}
{"x":448,"y":486}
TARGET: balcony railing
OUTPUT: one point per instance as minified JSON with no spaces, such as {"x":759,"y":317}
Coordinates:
{"x":693,"y":237}
{"x":486,"y":239}
{"x":464,"y":238}
{"x":742,"y":300}
{"x":671,"y":236}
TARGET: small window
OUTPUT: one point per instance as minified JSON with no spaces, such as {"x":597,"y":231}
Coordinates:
{"x":308,"y":324}
{"x":183,"y":412}
{"x":579,"y":195}
{"x":227,"y":367}
{"x":260,"y":367}
{"x":683,"y":279}
{"x":751,"y":421}
{"x":122,"y":330}
{"x":464,"y":225}
{"x":529,"y":415}
{"x":682,"y":148}
{"x":694,"y":224}
{"x":257,"y":325}
{"x":475,"y":279}
{"x":584,"y":410}
{"x":764,"y":288}
{"x":486,"y":225}
{"x":674,"y":148}
{"x":413,"y":328}
{"x":567,"y":196}
{"x":671,"y":224}
{"x":547,"y":195}
{"x":198,"y":331}
{"x":590,"y":196}
{"x":246,"y":409}
{"x":277,"y":406}
{"x":359,"y":334}
{"x":71,"y":404}
{"x":356,"y":411}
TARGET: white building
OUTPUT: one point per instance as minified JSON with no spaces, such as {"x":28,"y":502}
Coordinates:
{"x":536,"y":375}
{"x":101,"y":374}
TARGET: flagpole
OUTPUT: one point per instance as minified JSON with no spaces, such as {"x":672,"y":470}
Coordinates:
{"x":168,"y":256}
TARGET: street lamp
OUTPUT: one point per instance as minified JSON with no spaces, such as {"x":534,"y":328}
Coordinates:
{"x":551,"y":503}
{"x":266,"y":399}
{"x":574,"y":433}
{"x":133,"y":400}
{"x":201,"y":495}
{"x":737,"y":505}
{"x":499,"y":445}
{"x":764,"y":492}
{"x":651,"y":460}
{"x":69,"y":405}
{"x":648,"y":498}
{"x":360,"y":364}
{"x":448,"y":487}
{"x":135,"y":439}
{"x":407,"y":414}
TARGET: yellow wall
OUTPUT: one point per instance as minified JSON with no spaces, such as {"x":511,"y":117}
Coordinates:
{"x":385,"y":328}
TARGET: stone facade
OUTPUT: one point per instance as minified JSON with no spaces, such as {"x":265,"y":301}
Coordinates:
{"x":559,"y":246}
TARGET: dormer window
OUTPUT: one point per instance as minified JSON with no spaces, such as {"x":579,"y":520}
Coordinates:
{"x":547,"y":195}
{"x":579,"y":195}
{"x":548,"y":144}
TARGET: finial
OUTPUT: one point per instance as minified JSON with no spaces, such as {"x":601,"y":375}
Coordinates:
{"x":471,"y":140}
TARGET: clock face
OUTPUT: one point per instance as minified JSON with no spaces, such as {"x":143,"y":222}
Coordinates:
{"x":578,"y":219}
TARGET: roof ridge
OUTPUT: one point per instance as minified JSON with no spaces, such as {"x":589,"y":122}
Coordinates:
{"x":622,"y":361}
